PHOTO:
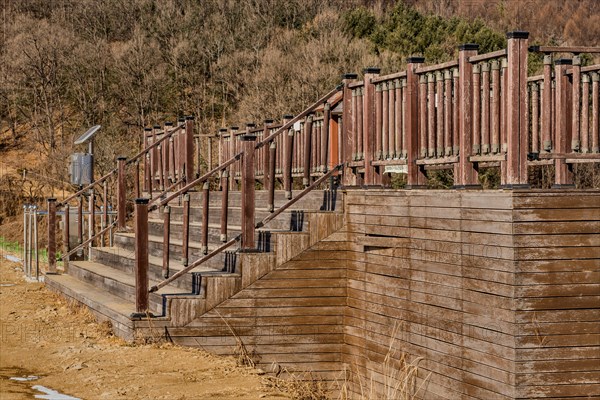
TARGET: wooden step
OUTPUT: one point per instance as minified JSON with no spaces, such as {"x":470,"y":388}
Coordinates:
{"x":121,"y":284}
{"x":124,"y":260}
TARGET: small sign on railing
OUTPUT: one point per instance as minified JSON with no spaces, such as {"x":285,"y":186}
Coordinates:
{"x":396,"y":169}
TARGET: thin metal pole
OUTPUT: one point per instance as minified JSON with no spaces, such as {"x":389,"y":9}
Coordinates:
{"x":29,"y":241}
{"x":24,"y":237}
{"x":52,"y":235}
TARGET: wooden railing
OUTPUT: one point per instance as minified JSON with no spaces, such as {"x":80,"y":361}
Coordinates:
{"x":163,"y":164}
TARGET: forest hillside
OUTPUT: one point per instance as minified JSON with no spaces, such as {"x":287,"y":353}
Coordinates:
{"x":66,"y":65}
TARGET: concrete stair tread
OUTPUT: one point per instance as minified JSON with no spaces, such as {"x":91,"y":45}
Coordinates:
{"x":154,"y":260}
{"x":123,"y":277}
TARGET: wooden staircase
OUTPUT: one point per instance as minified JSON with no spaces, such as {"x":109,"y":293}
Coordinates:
{"x":106,"y":283}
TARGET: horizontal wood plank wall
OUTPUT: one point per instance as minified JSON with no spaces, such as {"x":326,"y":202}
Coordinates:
{"x":290,"y":319}
{"x":433,"y":276}
{"x":557,"y":248}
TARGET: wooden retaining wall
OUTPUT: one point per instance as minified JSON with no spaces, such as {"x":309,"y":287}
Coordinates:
{"x":497,"y":293}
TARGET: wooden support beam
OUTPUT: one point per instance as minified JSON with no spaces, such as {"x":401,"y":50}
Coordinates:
{"x":248,"y":188}
{"x":141,"y":258}
{"x":563,"y":175}
{"x":416,"y":177}
{"x":370,"y":137}
{"x":347,"y":139}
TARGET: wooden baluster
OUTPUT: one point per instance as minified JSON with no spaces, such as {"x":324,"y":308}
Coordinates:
{"x":398,"y":127}
{"x":476,"y":109}
{"x":105,"y":212}
{"x":325,"y":136}
{"x":547,"y":115}
{"x":385,"y":122}
{"x":439,"y":123}
{"x":185,"y":230}
{"x":563,"y":175}
{"x":485,"y":108}
{"x":431,"y":134}
{"x":147,"y":136}
{"x":266,"y":159}
{"x":316,"y":147}
{"x":595,"y":112}
{"x":273,"y":157}
{"x":448,"y":112}
{"x":121,"y":194}
{"x":585,"y":113}
{"x":225,"y":202}
{"x":205,"y":209}
{"x":455,"y":111}
{"x":353,"y":128}
{"x":422,"y":111}
{"x":141,"y":258}
{"x":52,"y":235}
{"x":346,"y":135}
{"x":360,"y":128}
{"x":91,"y":217}
{"x":166,"y":240}
{"x":391,"y":120}
{"x":308,"y":128}
{"x":287,"y":158}
{"x":495,"y":110}
{"x":161,"y":168}
{"x":535,"y":140}
{"x":378,"y":122}
{"x":189,"y":148}
{"x":79,"y":220}
{"x":168,"y":176}
{"x":576,"y":107}
{"x":136,"y":179}
{"x":66,"y":234}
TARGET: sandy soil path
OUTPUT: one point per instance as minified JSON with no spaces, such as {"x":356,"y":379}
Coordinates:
{"x":42,"y":335}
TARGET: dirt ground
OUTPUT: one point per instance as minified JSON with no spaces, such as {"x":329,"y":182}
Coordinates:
{"x":44,"y":336}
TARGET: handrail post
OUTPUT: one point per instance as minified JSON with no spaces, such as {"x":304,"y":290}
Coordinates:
{"x":141,"y":257}
{"x":516,"y":111}
{"x":372,"y":177}
{"x":248,"y":182}
{"x":189,"y":148}
{"x":465,"y":172}
{"x":415,"y":176}
{"x":347,"y":136}
{"x":52,"y":235}
{"x":308,"y":150}
{"x":66,"y":234}
{"x":205,"y":215}
{"x":287,"y":156}
{"x":266,"y":159}
{"x":224,"y":204}
{"x":563,"y":176}
{"x":121,"y":198}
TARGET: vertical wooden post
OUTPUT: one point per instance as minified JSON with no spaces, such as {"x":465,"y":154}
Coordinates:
{"x":141,"y":257}
{"x":465,"y":174}
{"x":66,"y":234}
{"x":121,"y":194}
{"x":91,"y":217}
{"x":266,"y":159}
{"x":547,"y":105}
{"x":79,"y":221}
{"x":516,"y":123}
{"x":585,"y":113}
{"x":205,"y":206}
{"x":248,"y":143}
{"x":136,"y":179}
{"x":224,"y":204}
{"x":346,"y":142}
{"x":222,"y":144}
{"x":166,"y":240}
{"x":147,"y":174}
{"x":495,"y":111}
{"x":52,"y":235}
{"x":167,"y":145}
{"x":372,"y":175}
{"x":595,"y":111}
{"x":189,"y":148}
{"x":563,"y":176}
{"x":415,"y":177}
{"x":308,"y":149}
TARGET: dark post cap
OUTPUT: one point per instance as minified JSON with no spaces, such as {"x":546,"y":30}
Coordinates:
{"x":349,"y":76}
{"x":468,"y":46}
{"x":50,"y":199}
{"x":147,"y":129}
{"x":168,"y":123}
{"x":288,"y":116}
{"x":371,"y":70}
{"x":248,"y":138}
{"x":156,"y":126}
{"x":180,"y":119}
{"x":121,"y":158}
{"x":189,"y":117}
{"x":234,"y":128}
{"x":415,"y":60}
{"x":142,"y":200}
{"x":250,"y":125}
{"x":563,"y":61}
{"x":517,"y":35}
{"x":268,"y":121}
{"x":222,"y":129}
